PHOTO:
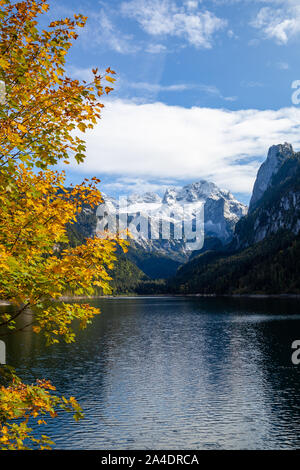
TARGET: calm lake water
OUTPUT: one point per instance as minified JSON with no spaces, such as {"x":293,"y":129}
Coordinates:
{"x":175,"y":373}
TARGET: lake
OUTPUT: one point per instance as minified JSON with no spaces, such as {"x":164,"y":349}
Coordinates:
{"x":175,"y":373}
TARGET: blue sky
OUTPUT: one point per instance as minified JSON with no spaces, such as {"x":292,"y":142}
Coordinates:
{"x":203,"y":89}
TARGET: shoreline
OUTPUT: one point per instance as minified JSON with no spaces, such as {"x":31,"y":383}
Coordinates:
{"x":124,"y":296}
{"x":67,"y":298}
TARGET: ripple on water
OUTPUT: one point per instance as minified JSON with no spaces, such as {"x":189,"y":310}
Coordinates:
{"x":175,"y":373}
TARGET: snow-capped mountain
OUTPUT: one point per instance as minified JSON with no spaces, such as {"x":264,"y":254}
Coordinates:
{"x":160,"y":219}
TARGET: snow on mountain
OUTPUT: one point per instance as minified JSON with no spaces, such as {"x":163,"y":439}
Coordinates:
{"x":221,"y":213}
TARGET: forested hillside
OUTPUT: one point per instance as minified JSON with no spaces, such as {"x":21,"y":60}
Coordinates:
{"x":263,"y":257}
{"x":268,"y":267}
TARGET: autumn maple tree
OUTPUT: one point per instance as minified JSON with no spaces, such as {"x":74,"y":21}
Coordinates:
{"x":43,"y":105}
{"x":41,"y":118}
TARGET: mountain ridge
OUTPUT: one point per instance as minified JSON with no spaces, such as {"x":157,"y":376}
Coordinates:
{"x":221,"y":213}
{"x":277,"y":209}
{"x":262,"y":256}
{"x":277,"y":155}
{"x":256,"y":256}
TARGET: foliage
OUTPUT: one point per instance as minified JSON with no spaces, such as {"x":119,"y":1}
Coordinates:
{"x":35,"y":271}
{"x":41,"y":121}
{"x":126,"y":276}
{"x":44,"y":107}
{"x":152,"y":287}
{"x":132,"y":272}
{"x":20,"y":403}
{"x":267,"y":267}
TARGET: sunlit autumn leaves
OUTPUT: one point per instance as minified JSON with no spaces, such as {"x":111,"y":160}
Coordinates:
{"x":43,"y":105}
{"x":41,"y":118}
{"x":35,"y":271}
{"x":22,"y":402}
{"x":35,"y":268}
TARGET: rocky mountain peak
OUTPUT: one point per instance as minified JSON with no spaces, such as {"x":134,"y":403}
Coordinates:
{"x":221,"y":213}
{"x":277,"y":155}
{"x":199,"y":191}
{"x":170,"y":196}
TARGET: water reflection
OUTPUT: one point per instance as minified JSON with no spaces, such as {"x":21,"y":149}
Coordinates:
{"x":176,"y":373}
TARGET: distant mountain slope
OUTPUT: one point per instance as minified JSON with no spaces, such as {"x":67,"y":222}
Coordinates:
{"x":263,"y":256}
{"x":268,"y":267}
{"x":154,"y":265}
{"x":126,"y":276}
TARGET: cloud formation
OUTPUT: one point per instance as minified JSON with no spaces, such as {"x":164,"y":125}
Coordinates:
{"x":280,"y":22}
{"x":131,"y":185}
{"x":156,"y":141}
{"x":180,"y":87}
{"x":166,"y":18}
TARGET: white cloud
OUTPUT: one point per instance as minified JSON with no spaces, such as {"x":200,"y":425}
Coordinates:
{"x":137,"y":185}
{"x":191,"y":4}
{"x":280,"y":23}
{"x":157,"y":88}
{"x":231,"y":34}
{"x":156,"y":141}
{"x":164,"y":17}
{"x":213,"y":90}
{"x":276,"y":19}
{"x":150,"y":89}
